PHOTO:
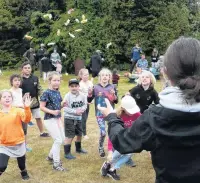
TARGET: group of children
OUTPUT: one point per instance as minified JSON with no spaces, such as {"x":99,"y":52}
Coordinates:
{"x":23,"y":99}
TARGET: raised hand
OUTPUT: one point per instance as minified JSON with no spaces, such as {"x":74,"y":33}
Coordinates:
{"x":106,"y":110}
{"x":27,"y":101}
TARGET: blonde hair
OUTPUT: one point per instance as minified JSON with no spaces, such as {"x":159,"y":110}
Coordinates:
{"x":151,"y":76}
{"x":80,"y":73}
{"x":105,"y":71}
{"x":51,"y":74}
{"x":120,"y":111}
{"x":5,"y":91}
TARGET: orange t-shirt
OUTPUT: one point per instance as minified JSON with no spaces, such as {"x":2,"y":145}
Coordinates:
{"x":11,"y":132}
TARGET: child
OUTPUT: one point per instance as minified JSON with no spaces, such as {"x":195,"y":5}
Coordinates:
{"x":30,"y":85}
{"x":15,"y":82}
{"x":115,"y":78}
{"x":144,"y":93}
{"x":12,"y":141}
{"x":101,"y":91}
{"x":170,"y":130}
{"x":85,"y":85}
{"x":75,"y":106}
{"x":128,"y":112}
{"x":50,"y":103}
{"x":46,"y":66}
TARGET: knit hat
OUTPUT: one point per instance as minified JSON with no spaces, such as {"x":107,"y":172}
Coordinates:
{"x":129,"y":104}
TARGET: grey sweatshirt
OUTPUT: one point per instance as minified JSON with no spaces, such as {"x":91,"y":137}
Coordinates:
{"x":74,"y":102}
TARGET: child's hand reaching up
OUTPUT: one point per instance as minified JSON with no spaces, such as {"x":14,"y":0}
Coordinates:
{"x":27,"y":101}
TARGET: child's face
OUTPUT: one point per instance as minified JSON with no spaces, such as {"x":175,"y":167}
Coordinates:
{"x":6,"y":99}
{"x":16,"y":82}
{"x":74,"y":88}
{"x":145,"y":80}
{"x":105,"y":78}
{"x":85,"y":76}
{"x":55,"y":82}
{"x":26,"y":70}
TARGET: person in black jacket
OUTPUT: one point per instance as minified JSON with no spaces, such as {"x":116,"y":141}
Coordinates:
{"x":96,"y":63}
{"x":30,"y":86}
{"x":170,"y":130}
{"x":144,"y":93}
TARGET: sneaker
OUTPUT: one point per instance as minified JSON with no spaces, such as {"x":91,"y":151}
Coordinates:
{"x":25,"y":175}
{"x":59,"y":167}
{"x":85,"y":137}
{"x":49,"y":159}
{"x":82,"y":151}
{"x":28,"y":149}
{"x":113,"y":175}
{"x":69,"y":156}
{"x":44,"y":134}
{"x":105,"y":168}
{"x":102,"y":152}
{"x":130,"y":163}
{"x":31,"y":123}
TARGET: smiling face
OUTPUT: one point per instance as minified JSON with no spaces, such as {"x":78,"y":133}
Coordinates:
{"x":26,"y":70}
{"x":104,"y":78}
{"x":74,"y":88}
{"x":85,"y":76}
{"x":145,"y":80}
{"x":16,"y":82}
{"x":55,"y":82}
{"x":6,"y":99}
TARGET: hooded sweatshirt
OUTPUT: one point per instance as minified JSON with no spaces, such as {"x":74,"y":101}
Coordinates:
{"x":170,"y":130}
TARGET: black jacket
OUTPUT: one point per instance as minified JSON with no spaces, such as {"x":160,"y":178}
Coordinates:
{"x":173,"y":137}
{"x":96,"y":62}
{"x":144,"y":98}
{"x":31,"y":85}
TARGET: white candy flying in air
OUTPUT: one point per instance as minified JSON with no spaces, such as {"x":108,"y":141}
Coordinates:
{"x":77,"y":20}
{"x":51,"y":44}
{"x":67,"y":22}
{"x":72,"y":35}
{"x":108,"y":45}
{"x":64,"y":55}
{"x":78,"y":30}
{"x":48,"y":15}
{"x":58,"y":32}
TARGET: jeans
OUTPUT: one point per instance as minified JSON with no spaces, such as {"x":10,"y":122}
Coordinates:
{"x":120,"y":159}
{"x":84,"y":120}
{"x":134,"y":62}
{"x":55,"y":128}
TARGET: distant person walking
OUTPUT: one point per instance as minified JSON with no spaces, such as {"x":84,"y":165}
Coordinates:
{"x":135,"y":56}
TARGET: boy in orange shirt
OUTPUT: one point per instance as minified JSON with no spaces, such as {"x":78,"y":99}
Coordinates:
{"x":12,"y":139}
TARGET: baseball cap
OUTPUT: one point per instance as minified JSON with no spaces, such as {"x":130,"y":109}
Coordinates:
{"x":73,"y":81}
{"x":129,"y":104}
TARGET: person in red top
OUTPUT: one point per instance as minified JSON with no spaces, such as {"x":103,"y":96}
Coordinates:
{"x":115,"y":78}
{"x":128,"y":112}
{"x":12,"y":139}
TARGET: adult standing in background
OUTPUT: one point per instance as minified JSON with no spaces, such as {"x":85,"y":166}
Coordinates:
{"x":40,"y":55}
{"x":54,"y":58}
{"x":96,"y":63}
{"x":135,"y":56}
{"x":154,"y":57}
{"x":30,"y":56}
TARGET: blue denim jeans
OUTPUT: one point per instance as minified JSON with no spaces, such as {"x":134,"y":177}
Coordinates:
{"x":120,"y":159}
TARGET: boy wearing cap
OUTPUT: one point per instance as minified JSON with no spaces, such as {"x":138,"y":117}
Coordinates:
{"x":75,"y":105}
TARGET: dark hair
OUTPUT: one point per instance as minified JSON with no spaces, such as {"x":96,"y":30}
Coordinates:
{"x":182,"y":62}
{"x":24,"y":64}
{"x":14,"y":76}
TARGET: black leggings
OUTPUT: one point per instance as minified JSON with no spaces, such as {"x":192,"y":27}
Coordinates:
{"x":4,"y":162}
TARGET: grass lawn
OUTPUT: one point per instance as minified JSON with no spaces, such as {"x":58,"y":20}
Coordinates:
{"x":85,"y":169}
